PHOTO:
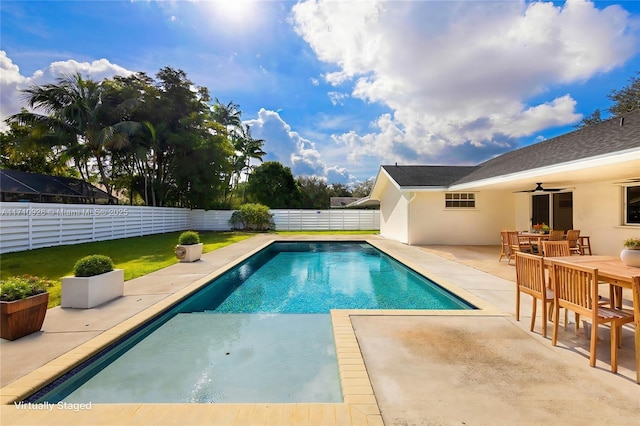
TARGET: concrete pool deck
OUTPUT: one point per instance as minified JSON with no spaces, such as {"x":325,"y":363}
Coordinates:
{"x":396,"y":367}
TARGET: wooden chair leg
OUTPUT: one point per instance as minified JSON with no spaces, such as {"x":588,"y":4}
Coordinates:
{"x":593,"y":344}
{"x":554,"y":336}
{"x":614,"y":347}
{"x":534,"y":307}
{"x":544,"y":319}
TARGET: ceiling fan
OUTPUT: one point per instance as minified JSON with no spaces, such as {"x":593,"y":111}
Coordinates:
{"x":539,"y":188}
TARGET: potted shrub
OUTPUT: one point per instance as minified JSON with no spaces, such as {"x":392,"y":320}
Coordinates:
{"x":189,"y":248}
{"x":95,"y":282}
{"x":630,"y":255}
{"x":23,"y":305}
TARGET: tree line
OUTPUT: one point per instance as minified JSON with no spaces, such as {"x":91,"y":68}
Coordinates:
{"x":159,"y":141}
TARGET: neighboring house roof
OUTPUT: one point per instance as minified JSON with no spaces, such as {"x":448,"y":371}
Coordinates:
{"x":340,"y":202}
{"x":609,"y":137}
{"x":39,"y":187}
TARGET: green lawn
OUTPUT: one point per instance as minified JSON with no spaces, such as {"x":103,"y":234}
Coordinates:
{"x":137,"y":256}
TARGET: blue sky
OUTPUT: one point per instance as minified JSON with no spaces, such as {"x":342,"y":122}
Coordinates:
{"x":338,"y":88}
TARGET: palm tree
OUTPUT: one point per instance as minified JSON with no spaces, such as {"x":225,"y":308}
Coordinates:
{"x":74,"y":111}
{"x":227,"y":115}
{"x":247,"y":149}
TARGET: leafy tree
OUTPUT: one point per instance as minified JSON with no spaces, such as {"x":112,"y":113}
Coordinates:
{"x":624,"y":100}
{"x":21,"y":150}
{"x":590,"y":119}
{"x":315,"y":193}
{"x":246,"y":149}
{"x":339,"y":190}
{"x":77,"y":118}
{"x":273,"y":185}
{"x":363,"y":189}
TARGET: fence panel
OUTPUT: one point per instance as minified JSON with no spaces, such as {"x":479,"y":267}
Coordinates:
{"x":25,"y":226}
{"x":330,"y":220}
{"x":211,"y":220}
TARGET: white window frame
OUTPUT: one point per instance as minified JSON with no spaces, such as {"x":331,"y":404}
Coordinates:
{"x":460,"y":200}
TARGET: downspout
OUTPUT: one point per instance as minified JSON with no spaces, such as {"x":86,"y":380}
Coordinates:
{"x":412,"y":196}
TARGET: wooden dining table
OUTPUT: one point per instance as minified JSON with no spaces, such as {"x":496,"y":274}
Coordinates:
{"x":534,"y":240}
{"x":617,"y":274}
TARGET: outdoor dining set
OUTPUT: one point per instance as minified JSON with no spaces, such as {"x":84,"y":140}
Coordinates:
{"x":559,"y":269}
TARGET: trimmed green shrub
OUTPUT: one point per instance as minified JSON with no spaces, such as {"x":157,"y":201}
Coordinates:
{"x":188,"y":238}
{"x":252,"y":216}
{"x":16,"y":288}
{"x":91,"y":265}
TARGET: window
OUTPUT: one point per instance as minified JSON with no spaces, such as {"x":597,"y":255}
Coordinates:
{"x":456,"y":200}
{"x":632,"y":205}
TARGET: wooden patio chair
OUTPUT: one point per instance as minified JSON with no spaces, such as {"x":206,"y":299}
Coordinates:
{"x":505,"y":252}
{"x":635,"y":290}
{"x":517,"y":244}
{"x":573,"y":236}
{"x":556,"y":235}
{"x":530,"y":279}
{"x":576,"y":288}
{"x":555,"y":248}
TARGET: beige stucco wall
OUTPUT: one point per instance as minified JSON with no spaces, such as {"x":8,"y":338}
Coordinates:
{"x":598,"y":212}
{"x":432,"y":223}
{"x":393,"y":214}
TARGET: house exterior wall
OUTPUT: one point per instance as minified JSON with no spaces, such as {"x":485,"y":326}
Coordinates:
{"x":393,"y":214}
{"x":598,"y":212}
{"x":431,"y":223}
{"x":421,"y":218}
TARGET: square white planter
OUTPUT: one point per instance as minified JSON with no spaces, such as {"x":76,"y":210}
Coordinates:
{"x":189,"y":253}
{"x":87,"y":292}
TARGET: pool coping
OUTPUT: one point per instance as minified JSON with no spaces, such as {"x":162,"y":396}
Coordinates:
{"x":359,"y":406}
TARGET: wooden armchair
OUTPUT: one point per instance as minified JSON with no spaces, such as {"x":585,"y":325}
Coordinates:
{"x":576,"y":288}
{"x":517,"y":244}
{"x":573,"y":236}
{"x":530,"y":279}
{"x":555,"y":248}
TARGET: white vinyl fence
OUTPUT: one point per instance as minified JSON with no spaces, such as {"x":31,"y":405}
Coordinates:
{"x":25,"y":226}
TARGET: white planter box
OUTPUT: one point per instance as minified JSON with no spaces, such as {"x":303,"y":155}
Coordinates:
{"x":87,"y":292}
{"x":189,"y":253}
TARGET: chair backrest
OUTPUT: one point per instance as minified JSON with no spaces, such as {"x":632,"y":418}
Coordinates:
{"x":575,"y":287}
{"x":556,"y":248}
{"x":556,"y":235}
{"x":512,"y":237}
{"x":530,"y":273}
{"x":504,"y":237}
{"x":572,"y":237}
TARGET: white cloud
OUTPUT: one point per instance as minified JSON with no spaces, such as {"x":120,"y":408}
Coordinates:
{"x":288,"y":147}
{"x":462,"y":73}
{"x":337,"y":98}
{"x":12,"y":81}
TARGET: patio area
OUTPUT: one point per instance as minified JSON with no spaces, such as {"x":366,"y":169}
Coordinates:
{"x":422,"y":368}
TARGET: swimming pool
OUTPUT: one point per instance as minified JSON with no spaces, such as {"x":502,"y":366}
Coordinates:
{"x":232,"y":341}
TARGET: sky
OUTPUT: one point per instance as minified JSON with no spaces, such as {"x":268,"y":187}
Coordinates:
{"x":337,"y":89}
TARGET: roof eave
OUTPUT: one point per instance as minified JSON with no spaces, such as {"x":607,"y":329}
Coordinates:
{"x":600,"y":160}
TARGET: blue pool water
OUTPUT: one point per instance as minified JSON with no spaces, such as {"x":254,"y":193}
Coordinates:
{"x":261,"y":332}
